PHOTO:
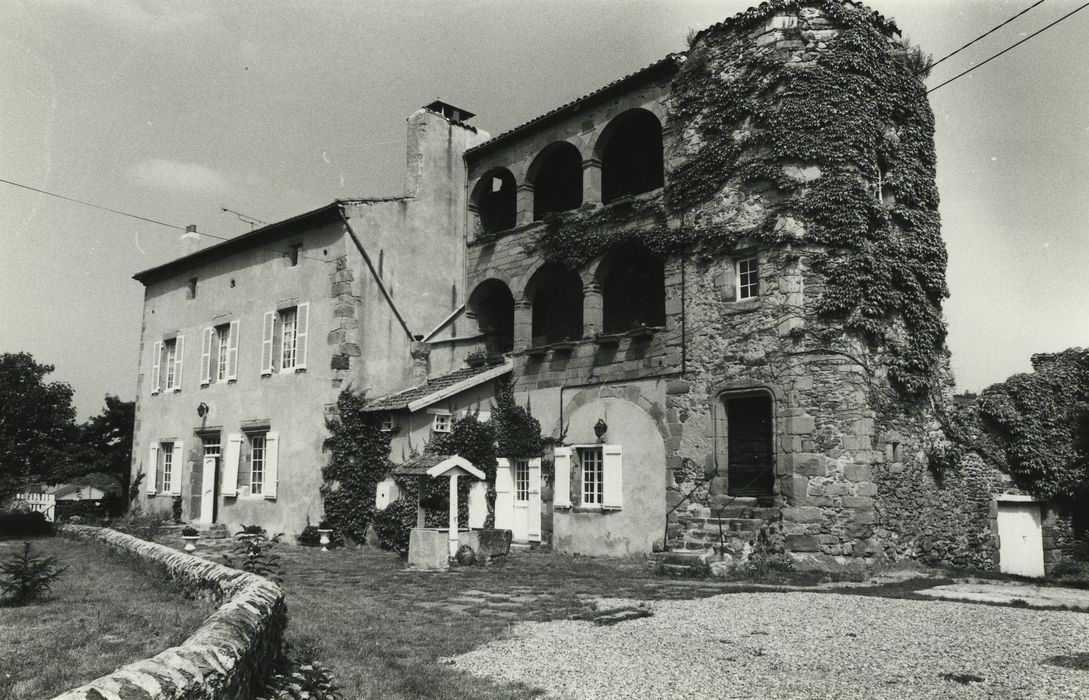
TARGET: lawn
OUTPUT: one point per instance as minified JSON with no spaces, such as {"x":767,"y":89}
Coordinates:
{"x":106,"y":611}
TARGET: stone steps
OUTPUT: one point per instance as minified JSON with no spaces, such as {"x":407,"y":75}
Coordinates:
{"x":682,"y":564}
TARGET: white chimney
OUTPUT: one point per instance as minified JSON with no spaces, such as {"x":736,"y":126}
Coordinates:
{"x":190,"y":240}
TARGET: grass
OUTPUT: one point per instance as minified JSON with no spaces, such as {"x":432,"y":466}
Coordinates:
{"x":106,"y":611}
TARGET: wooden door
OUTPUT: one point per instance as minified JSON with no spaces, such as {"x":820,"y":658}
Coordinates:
{"x":749,"y":431}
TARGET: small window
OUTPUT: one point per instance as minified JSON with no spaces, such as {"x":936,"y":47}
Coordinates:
{"x":166,"y":470}
{"x":294,"y":252}
{"x":257,"y":465}
{"x":387,"y":423}
{"x":283,"y":343}
{"x":593,"y":475}
{"x":441,"y":423}
{"x":212,"y":446}
{"x":748,"y":279}
{"x":191,"y":288}
{"x":167,"y":369}
{"x":521,"y":480}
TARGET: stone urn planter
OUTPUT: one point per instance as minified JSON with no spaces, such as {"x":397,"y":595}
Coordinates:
{"x":190,"y":536}
{"x":324,"y":538}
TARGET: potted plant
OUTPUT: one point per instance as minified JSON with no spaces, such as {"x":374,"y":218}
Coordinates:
{"x":477,"y":358}
{"x":324,"y":530}
{"x":190,"y":535}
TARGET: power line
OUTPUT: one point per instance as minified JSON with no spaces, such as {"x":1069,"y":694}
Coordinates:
{"x":951,"y":55}
{"x":149,"y":220}
{"x":1007,"y":49}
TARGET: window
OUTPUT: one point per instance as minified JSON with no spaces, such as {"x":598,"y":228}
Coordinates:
{"x":191,"y":288}
{"x":293,"y":253}
{"x":223,"y":337}
{"x":166,"y":364}
{"x":441,"y":423}
{"x":219,"y":354}
{"x":283,"y":343}
{"x":599,"y":472}
{"x":521,"y":480}
{"x":593,"y":480}
{"x":387,"y":423}
{"x":257,"y":465}
{"x":748,"y":279}
{"x":212,"y":446}
{"x":166,"y":470}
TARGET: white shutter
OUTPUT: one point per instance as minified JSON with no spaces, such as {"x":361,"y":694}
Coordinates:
{"x":156,"y":361}
{"x":266,"y":342}
{"x":206,"y":357}
{"x":175,"y":485}
{"x":504,"y":495}
{"x":152,"y":466}
{"x":179,"y":354}
{"x":561,"y":491}
{"x":535,"y":499}
{"x":232,"y":352}
{"x":728,"y":281}
{"x":614,"y":481}
{"x":478,"y":505}
{"x":230,"y":464}
{"x":302,"y":320}
{"x":272,"y":447}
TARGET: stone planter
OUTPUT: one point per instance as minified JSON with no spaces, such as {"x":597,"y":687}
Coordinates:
{"x":190,"y":543}
{"x":324,"y":540}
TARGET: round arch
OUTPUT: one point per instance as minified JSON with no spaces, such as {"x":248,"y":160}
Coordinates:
{"x":555,"y":293}
{"x":556,"y":176}
{"x":631,"y":155}
{"x":493,"y":305}
{"x":495,"y":199}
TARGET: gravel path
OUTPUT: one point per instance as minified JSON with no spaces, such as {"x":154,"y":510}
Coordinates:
{"x":799,"y":645}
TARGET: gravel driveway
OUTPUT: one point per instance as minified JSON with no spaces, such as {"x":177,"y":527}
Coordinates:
{"x":799,"y":645}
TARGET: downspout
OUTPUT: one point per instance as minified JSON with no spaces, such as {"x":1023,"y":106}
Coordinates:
{"x":374,"y":273}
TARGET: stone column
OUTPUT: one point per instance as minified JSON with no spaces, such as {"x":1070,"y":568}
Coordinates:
{"x":593,"y":318}
{"x":523,"y":324}
{"x":591,"y":180}
{"x":473,"y":225}
{"x":524,"y":213}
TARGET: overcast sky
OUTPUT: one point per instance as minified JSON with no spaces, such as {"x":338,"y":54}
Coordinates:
{"x":173,"y":110}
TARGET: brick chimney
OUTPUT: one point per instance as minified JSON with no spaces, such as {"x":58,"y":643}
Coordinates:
{"x":190,"y":240}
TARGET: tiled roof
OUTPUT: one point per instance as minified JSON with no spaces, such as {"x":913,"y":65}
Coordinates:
{"x":470,"y":376}
{"x":418,"y":466}
{"x":670,"y":61}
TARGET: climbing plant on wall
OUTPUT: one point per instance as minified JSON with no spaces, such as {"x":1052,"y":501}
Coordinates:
{"x":517,"y":432}
{"x":359,"y":459}
{"x":839,"y":141}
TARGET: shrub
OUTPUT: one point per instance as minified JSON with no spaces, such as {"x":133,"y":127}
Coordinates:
{"x":24,"y":524}
{"x":310,"y":537}
{"x":139,"y":524}
{"x":189,"y":531}
{"x":27,"y":576}
{"x":1071,"y":572}
{"x":255,"y":553}
{"x":311,"y":681}
{"x":768,"y":555}
{"x":393,"y":525}
{"x":176,"y":509}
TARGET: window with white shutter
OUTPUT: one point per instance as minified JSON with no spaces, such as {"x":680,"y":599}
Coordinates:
{"x":232,"y":352}
{"x":151,"y":469}
{"x":561,"y":492}
{"x":591,"y":467}
{"x":613,"y":477}
{"x":272,"y":464}
{"x":170,"y":349}
{"x":302,"y":316}
{"x":266,"y":342}
{"x":175,"y":482}
{"x":206,"y":356}
{"x":179,"y":355}
{"x":156,"y":365}
{"x":230,"y":464}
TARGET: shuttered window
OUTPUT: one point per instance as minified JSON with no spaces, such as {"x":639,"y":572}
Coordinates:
{"x":166,"y":470}
{"x":257,"y":464}
{"x":223,"y":345}
{"x":593,"y":475}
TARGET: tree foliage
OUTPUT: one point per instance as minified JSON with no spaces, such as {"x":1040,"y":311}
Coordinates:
{"x":1041,"y":421}
{"x":105,"y":442}
{"x":37,"y":424}
{"x":359,"y":460}
{"x":517,"y":432}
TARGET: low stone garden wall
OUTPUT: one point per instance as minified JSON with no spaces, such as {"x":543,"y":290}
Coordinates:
{"x":229,"y":656}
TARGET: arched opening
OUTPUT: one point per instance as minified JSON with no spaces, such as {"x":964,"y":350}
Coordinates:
{"x":556,"y":295}
{"x":496,"y":201}
{"x":631,"y":155}
{"x":493,"y":304}
{"x":632,"y":289}
{"x":556,"y":176}
{"x":750,"y":429}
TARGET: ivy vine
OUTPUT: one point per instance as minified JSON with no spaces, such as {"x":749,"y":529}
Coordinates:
{"x":834,"y":132}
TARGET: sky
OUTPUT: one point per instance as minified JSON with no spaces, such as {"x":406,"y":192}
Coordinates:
{"x":174,"y":110}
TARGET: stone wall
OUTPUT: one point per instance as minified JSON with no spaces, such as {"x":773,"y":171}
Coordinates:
{"x":227,"y":658}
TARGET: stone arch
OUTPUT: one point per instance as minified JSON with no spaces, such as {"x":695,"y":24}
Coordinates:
{"x":630,"y":393}
{"x":631,"y":154}
{"x":632,"y":283}
{"x":492,"y":305}
{"x":494,"y":200}
{"x":555,"y":295}
{"x":556,"y":177}
{"x":748,"y":455}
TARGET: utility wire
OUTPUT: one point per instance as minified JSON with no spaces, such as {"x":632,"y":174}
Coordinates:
{"x":1008,"y":48}
{"x":951,"y":55}
{"x":144,"y":218}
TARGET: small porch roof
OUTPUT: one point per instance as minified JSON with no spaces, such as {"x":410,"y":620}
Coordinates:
{"x":438,"y":465}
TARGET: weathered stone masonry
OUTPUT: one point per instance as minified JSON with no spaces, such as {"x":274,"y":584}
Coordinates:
{"x":228,"y":658}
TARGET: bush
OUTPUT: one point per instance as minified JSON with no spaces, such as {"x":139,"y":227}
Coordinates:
{"x":23,"y":523}
{"x":310,"y":537}
{"x":1071,"y":572}
{"x":255,"y":553}
{"x":394,"y":524}
{"x":28,"y":576}
{"x":138,"y":524}
{"x":311,"y":681}
{"x":189,"y":531}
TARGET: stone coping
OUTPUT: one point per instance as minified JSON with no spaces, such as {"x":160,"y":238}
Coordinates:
{"x":229,"y":655}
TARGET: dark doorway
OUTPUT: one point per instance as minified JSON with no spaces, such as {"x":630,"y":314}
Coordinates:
{"x":631,"y":161}
{"x":749,"y":431}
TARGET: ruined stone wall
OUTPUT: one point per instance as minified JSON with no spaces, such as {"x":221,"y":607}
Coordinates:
{"x":228,"y":658}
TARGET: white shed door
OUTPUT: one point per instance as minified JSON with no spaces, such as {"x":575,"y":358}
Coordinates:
{"x":1021,"y":542}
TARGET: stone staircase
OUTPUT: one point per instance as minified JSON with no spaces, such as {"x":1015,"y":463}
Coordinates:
{"x":702,"y":533}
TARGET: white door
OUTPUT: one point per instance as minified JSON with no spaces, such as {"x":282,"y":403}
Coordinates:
{"x":208,"y":491}
{"x":1020,"y":538}
{"x":520,"y":526}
